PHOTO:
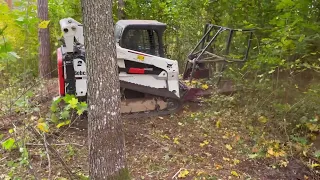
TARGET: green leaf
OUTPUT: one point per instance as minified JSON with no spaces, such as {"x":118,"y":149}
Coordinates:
{"x":54,"y":107}
{"x":8,"y":144}
{"x":29,"y":94}
{"x":317,"y":154}
{"x":20,"y":19}
{"x":73,"y":102}
{"x":65,"y":114}
{"x":253,"y":156}
{"x":81,"y":108}
{"x":14,"y":54}
{"x":54,"y":118}
{"x":67,"y":98}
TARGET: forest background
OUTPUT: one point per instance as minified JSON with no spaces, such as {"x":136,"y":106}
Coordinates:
{"x":279,"y":83}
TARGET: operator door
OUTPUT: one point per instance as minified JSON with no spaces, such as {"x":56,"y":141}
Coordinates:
{"x":142,"y":40}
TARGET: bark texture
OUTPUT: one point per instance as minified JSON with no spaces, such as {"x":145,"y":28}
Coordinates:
{"x":106,"y":136}
{"x":9,"y":2}
{"x":121,"y":6}
{"x":44,"y":40}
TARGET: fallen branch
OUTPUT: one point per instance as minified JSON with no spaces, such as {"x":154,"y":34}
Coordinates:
{"x":176,"y":174}
{"x":48,"y":156}
{"x":53,"y":151}
{"x":3,"y":159}
{"x":61,"y":144}
{"x":157,"y":142}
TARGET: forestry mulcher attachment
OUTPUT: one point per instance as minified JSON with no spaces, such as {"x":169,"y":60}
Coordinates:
{"x":149,"y":81}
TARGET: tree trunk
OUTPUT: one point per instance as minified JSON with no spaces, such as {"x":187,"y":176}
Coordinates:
{"x":105,"y":131}
{"x":9,"y":2}
{"x":44,"y":40}
{"x":121,"y":5}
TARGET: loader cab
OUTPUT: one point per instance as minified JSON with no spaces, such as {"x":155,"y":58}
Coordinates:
{"x":141,"y":35}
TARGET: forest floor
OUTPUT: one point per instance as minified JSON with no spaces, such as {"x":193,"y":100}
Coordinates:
{"x":193,"y":144}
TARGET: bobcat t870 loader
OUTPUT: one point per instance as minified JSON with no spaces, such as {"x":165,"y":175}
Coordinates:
{"x":149,"y":81}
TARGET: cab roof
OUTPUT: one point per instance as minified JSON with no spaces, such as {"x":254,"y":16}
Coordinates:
{"x":144,"y":23}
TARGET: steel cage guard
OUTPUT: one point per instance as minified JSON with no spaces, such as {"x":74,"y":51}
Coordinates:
{"x":194,"y":57}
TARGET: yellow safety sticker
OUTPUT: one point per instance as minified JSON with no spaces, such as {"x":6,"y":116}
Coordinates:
{"x":140,"y":57}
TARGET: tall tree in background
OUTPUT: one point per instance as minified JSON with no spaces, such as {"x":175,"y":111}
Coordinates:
{"x":9,"y":2}
{"x":105,"y":131}
{"x":44,"y":40}
{"x":121,"y":6}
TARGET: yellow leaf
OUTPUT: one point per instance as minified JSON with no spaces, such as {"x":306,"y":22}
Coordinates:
{"x":183,"y":173}
{"x":43,"y":127}
{"x":165,"y":136}
{"x":205,"y":142}
{"x":175,"y":140}
{"x":304,"y":153}
{"x":262,"y":119}
{"x":200,"y":172}
{"x":204,"y":86}
{"x":270,"y":151}
{"x":313,"y":165}
{"x":225,"y":159}
{"x":63,"y":123}
{"x":218,"y":124}
{"x":217,"y":166}
{"x":312,"y":127}
{"x":283,"y":163}
{"x":282,"y":153}
{"x":236,"y":161}
{"x":234,"y":173}
{"x":44,"y":24}
{"x":229,"y":147}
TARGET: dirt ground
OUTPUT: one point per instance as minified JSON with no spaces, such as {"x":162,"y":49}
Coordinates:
{"x":180,"y":146}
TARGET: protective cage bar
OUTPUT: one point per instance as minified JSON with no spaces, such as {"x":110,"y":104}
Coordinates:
{"x":195,"y":57}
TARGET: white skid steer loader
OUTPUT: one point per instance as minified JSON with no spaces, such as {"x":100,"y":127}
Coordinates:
{"x":149,"y":81}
